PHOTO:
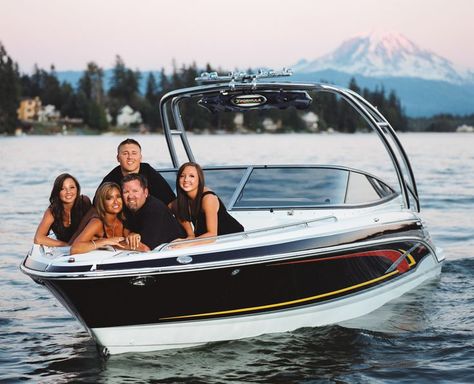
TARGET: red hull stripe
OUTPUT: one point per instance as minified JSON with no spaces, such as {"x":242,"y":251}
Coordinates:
{"x":390,"y":254}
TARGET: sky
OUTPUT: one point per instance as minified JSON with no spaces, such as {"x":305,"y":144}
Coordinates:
{"x":151,"y":34}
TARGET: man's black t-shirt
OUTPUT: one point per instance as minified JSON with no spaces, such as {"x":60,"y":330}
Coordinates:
{"x":157,"y":185}
{"x":154,"y":222}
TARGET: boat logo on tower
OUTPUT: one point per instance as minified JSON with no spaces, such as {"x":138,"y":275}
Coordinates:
{"x":248,"y":101}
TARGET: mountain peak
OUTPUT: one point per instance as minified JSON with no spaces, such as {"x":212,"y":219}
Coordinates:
{"x":391,"y":43}
{"x":384,"y":54}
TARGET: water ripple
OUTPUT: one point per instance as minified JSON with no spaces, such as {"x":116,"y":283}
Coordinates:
{"x":426,"y":336}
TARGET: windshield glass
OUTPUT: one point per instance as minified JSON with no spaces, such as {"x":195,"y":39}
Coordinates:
{"x":322,"y":187}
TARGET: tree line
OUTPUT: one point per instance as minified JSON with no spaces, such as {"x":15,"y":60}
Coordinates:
{"x":91,"y":102}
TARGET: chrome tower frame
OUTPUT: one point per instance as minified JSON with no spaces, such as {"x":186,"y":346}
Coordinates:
{"x":173,"y":123}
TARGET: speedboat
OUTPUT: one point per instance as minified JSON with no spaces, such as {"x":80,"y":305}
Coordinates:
{"x":323,"y":244}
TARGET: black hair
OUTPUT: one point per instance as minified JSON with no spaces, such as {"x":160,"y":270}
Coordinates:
{"x":57,"y":208}
{"x":135,"y":176}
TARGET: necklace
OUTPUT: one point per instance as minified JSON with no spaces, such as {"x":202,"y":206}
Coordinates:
{"x":113,"y":227}
{"x":67,"y":217}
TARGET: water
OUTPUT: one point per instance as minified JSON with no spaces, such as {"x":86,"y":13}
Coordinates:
{"x":427,"y":336}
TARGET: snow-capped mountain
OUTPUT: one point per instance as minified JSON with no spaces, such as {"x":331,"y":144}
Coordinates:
{"x":386,"y":55}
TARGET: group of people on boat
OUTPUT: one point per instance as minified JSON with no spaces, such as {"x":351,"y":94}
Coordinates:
{"x":133,"y":208}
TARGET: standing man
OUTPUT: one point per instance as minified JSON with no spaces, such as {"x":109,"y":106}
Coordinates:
{"x":146,"y":215}
{"x":129,"y":156}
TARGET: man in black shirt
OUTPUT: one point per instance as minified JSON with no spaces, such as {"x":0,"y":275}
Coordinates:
{"x":129,"y":155}
{"x":146,"y":215}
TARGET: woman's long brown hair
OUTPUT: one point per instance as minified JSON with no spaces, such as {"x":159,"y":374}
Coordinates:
{"x":101,"y":196}
{"x":57,"y":208}
{"x":186,"y":208}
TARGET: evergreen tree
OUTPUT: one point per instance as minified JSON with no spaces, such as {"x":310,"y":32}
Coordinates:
{"x":69,"y":106}
{"x":92,"y":97}
{"x":96,"y":117}
{"x":151,"y":113}
{"x":377,"y":98}
{"x":9,"y":92}
{"x":44,"y":85}
{"x":26,"y":86}
{"x":151,"y":91}
{"x":353,"y":120}
{"x":36,"y":82}
{"x":326,"y":106}
{"x":253,"y":120}
{"x":125,"y":83}
{"x":346,"y":121}
{"x":51,"y":91}
{"x":91,"y":83}
{"x":118,"y":89}
{"x":394,"y":113}
{"x":353,"y":85}
{"x":176,"y":78}
{"x":165,"y":84}
{"x":292,"y":121}
{"x":190,"y":75}
{"x":124,"y":89}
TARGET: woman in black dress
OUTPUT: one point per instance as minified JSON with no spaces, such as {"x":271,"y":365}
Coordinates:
{"x":66,"y":210}
{"x":196,"y":204}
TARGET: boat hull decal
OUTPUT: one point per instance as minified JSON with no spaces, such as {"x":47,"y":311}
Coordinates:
{"x":223,"y":292}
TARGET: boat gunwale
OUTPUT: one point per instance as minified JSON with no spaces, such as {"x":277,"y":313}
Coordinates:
{"x":99,"y":274}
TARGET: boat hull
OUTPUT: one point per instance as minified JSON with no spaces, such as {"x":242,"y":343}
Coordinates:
{"x":160,"y":336}
{"x":180,"y":307}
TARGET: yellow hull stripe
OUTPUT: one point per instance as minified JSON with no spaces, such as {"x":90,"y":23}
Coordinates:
{"x":276,"y":305}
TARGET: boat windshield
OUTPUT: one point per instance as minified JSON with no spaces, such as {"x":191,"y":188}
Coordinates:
{"x":278,"y":187}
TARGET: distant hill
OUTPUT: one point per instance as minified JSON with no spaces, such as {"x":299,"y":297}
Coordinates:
{"x":419,"y":97}
{"x":426,"y":83}
{"x":72,"y":77}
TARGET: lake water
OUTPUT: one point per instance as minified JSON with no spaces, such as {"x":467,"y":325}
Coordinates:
{"x":427,"y":336}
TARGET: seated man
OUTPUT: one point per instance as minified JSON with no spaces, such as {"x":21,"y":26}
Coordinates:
{"x":129,"y":155}
{"x":146,"y":215}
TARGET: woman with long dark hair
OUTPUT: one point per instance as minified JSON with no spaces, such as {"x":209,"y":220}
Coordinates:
{"x":67,"y":208}
{"x":198,"y":208}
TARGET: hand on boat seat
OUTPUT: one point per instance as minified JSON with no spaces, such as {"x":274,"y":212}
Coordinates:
{"x":115,"y":241}
{"x":133,"y":240}
{"x":179,"y":239}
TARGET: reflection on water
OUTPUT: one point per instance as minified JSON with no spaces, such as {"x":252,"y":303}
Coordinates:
{"x":424,"y":336}
{"x":405,"y":314}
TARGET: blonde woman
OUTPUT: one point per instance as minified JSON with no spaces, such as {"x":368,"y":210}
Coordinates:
{"x":107,"y":228}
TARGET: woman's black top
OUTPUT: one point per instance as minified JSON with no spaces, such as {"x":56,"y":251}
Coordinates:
{"x":225,"y":222}
{"x":77,"y":213}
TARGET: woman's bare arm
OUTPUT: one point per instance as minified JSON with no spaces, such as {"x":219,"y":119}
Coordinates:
{"x":91,"y":238}
{"x":41,"y":235}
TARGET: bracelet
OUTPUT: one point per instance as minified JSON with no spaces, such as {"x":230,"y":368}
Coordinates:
{"x":94,"y":244}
